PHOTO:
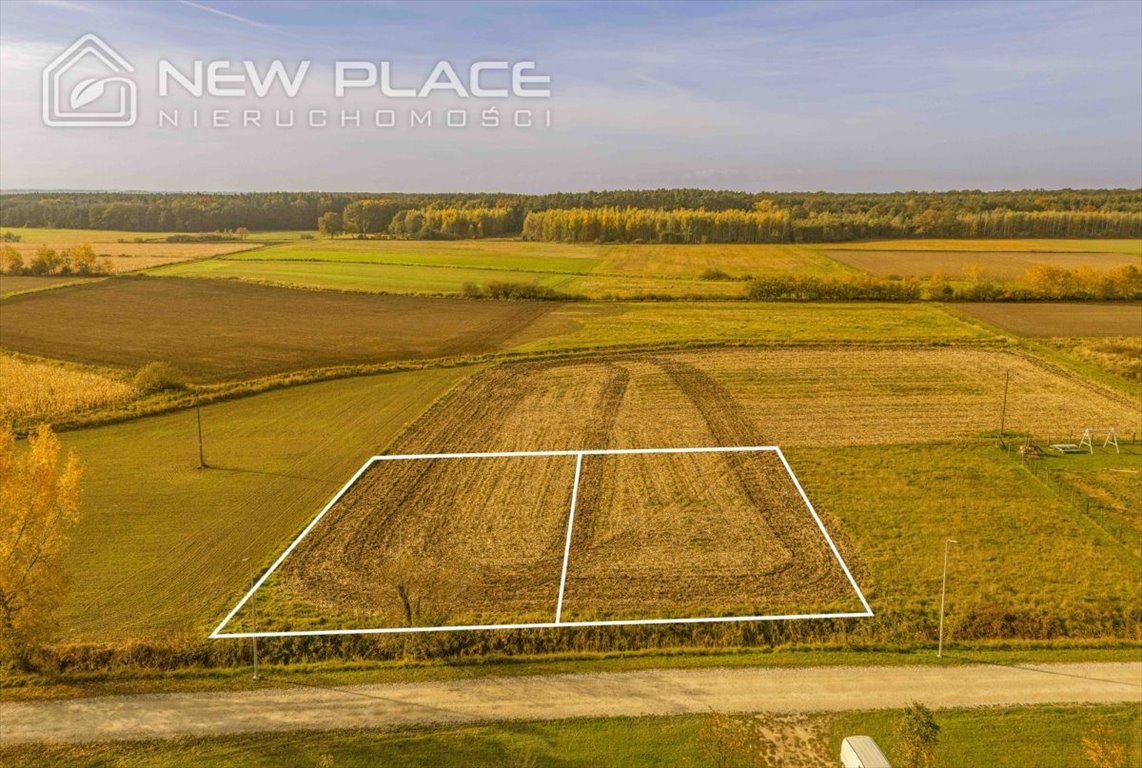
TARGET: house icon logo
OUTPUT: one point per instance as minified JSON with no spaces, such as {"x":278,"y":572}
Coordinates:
{"x":87,"y":86}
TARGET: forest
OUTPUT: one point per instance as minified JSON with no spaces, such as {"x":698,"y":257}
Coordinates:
{"x":662,"y":215}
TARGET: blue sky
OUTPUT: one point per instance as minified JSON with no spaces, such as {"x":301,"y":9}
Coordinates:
{"x":778,"y":95}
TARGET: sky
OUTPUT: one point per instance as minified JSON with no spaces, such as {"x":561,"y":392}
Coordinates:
{"x":779,"y":96}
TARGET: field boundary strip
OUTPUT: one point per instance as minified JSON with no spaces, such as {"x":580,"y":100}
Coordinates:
{"x":219,"y":634}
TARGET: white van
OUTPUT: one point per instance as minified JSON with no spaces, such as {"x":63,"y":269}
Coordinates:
{"x":862,"y":752}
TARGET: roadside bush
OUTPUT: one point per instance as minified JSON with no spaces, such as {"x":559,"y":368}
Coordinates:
{"x":159,"y":377}
{"x":205,"y":237}
{"x":789,"y":288}
{"x":713,"y":273}
{"x":501,"y":289}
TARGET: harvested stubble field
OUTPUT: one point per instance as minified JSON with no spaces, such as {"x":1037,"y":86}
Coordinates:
{"x":1047,"y":320}
{"x":469,"y":537}
{"x":809,"y":396}
{"x":654,"y":536}
{"x":216,"y":330}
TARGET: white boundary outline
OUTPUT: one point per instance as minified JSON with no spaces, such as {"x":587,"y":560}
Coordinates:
{"x":218,"y":634}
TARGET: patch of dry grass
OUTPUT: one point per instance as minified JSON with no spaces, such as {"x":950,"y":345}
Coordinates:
{"x":1122,"y":355}
{"x":32,"y":390}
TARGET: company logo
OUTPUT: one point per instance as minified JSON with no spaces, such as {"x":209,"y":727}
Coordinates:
{"x":87,"y":86}
{"x":90,"y":85}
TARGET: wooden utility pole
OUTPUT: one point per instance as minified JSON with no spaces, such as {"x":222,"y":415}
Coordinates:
{"x":201,"y":450}
{"x":1003,"y":410}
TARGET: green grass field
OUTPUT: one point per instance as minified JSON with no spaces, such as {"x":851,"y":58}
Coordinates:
{"x":360,"y":276}
{"x":596,"y":271}
{"x":1025,"y":548}
{"x":610,"y":325}
{"x":1017,"y":737}
{"x":493,"y":254}
{"x":162,"y":545}
{"x":1014,"y":737}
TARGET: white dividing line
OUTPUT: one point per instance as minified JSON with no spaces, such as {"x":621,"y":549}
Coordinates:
{"x":543,"y":625}
{"x":828,"y":538}
{"x":218,"y":634}
{"x":585,"y":452}
{"x":570,"y":526}
{"x":217,"y":630}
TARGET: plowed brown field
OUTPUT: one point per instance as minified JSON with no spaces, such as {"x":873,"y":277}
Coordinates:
{"x":655,"y":535}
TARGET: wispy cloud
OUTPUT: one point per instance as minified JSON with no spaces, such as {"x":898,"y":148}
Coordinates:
{"x":226,"y":14}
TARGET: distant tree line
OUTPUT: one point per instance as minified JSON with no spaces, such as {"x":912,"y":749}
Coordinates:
{"x":775,"y":225}
{"x":661,"y":215}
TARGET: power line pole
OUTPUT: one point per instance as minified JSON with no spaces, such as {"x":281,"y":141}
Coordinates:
{"x":1003,"y":410}
{"x":943,"y":594}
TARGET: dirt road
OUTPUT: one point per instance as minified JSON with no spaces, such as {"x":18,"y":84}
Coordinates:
{"x":651,"y":692}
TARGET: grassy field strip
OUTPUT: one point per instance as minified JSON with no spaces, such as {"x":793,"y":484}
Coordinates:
{"x":607,"y":326}
{"x":365,"y":277}
{"x":16,"y":285}
{"x":602,"y":270}
{"x":993,"y":265}
{"x":383,"y":262}
{"x":438,"y":280}
{"x":997,"y":737}
{"x":1031,"y":245}
{"x":262,"y":255}
{"x":1014,"y":737}
{"x":507,"y":255}
{"x":163,"y":545}
{"x":340,"y":673}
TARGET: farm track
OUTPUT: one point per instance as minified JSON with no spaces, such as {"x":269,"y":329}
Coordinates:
{"x":284,"y":707}
{"x":760,"y":481}
{"x":600,"y":436}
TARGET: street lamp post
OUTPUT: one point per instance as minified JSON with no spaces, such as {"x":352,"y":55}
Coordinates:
{"x":254,"y":611}
{"x":943,"y":594}
{"x":254,"y":618}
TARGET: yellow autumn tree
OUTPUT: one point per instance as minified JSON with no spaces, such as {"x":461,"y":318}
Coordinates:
{"x":39,"y":504}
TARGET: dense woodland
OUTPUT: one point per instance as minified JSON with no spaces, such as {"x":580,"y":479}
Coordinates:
{"x":663,"y":215}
